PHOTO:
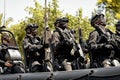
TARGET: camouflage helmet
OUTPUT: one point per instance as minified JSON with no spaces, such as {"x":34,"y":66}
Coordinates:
{"x":34,"y":26}
{"x":117,"y":24}
{"x":28,"y":26}
{"x":64,"y":19}
{"x":96,"y":17}
{"x":57,"y":21}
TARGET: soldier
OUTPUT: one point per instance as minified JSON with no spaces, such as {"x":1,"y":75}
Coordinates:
{"x":33,"y":49}
{"x":61,"y":46}
{"x":5,"y":63}
{"x":99,"y":45}
{"x":63,"y":42}
{"x":116,"y":36}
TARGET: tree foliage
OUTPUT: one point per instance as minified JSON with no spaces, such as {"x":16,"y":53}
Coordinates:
{"x":5,"y":22}
{"x":112,"y":12}
{"x":36,"y":16}
{"x":113,"y":5}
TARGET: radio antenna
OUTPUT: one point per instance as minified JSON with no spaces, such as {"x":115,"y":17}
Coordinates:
{"x":46,"y":15}
{"x":4,"y":13}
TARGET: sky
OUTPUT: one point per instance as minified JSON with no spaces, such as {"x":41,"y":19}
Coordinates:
{"x":15,"y":8}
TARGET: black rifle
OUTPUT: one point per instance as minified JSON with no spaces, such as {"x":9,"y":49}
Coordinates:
{"x":80,"y":34}
{"x":82,"y":42}
{"x":47,"y":41}
{"x":76,"y":47}
{"x":106,"y":38}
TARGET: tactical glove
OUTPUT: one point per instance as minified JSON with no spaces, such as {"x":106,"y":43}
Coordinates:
{"x":108,"y":46}
{"x":97,"y":46}
{"x":39,"y":46}
{"x":34,"y":47}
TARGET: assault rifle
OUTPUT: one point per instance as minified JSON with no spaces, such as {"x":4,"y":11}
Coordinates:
{"x":80,"y":34}
{"x":76,"y":47}
{"x":46,"y":41}
{"x":107,"y":38}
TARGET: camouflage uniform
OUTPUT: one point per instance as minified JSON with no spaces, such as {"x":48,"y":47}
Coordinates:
{"x":116,"y":36}
{"x":33,"y":48}
{"x":4,"y":58}
{"x":99,"y":47}
{"x":63,"y":45}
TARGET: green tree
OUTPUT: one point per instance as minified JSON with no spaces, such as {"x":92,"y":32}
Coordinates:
{"x":113,"y":5}
{"x":7,"y":21}
{"x":112,"y":12}
{"x":36,"y":15}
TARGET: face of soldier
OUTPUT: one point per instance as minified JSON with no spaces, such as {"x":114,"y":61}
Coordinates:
{"x":103,"y":21}
{"x":34,"y":31}
{"x":57,"y":24}
{"x":6,"y":40}
{"x":65,"y":24}
{"x":28,"y":31}
{"x":100,"y":21}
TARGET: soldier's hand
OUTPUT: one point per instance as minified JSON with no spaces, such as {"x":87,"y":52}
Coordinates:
{"x":39,"y":46}
{"x":8,"y":64}
{"x":34,"y":46}
{"x":108,"y":46}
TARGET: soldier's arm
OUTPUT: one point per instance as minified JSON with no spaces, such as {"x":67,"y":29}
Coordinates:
{"x":92,"y":42}
{"x":56,"y":41}
{"x":26,"y":43}
{"x":2,"y":58}
{"x":31,"y":47}
{"x":2,"y":62}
